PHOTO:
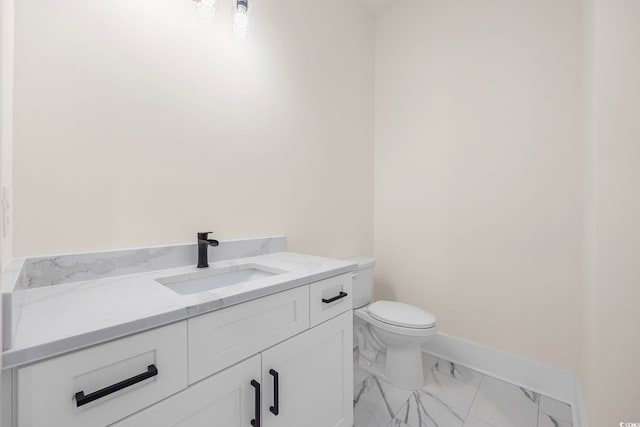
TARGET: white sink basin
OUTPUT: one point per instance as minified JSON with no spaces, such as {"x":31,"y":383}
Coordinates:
{"x":194,"y":283}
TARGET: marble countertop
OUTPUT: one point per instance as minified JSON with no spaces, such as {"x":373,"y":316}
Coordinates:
{"x":66,"y":317}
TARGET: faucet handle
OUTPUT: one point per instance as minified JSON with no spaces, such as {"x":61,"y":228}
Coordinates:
{"x":204,"y":235}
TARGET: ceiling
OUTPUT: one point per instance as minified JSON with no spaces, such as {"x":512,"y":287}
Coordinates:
{"x":376,"y":6}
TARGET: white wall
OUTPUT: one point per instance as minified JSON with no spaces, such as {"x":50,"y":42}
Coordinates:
{"x":6,"y":62}
{"x":2,"y":50}
{"x":135,"y":124}
{"x":479,"y":157}
{"x":613,"y":377}
{"x":6,"y":128}
{"x":506,"y":160}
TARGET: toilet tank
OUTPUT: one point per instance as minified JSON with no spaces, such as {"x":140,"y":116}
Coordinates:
{"x":362,"y":280}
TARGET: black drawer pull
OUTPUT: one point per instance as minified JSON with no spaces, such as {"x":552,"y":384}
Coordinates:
{"x":81,"y":399}
{"x":256,"y":421}
{"x":336,"y":298}
{"x":275,"y":409}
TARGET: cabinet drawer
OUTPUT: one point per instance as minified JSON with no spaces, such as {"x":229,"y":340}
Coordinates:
{"x":328,"y":299}
{"x":226,"y":399}
{"x":153,"y":362}
{"x":220,"y":339}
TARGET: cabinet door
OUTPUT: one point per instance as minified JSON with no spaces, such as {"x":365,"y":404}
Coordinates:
{"x":314,"y":374}
{"x":226,"y":399}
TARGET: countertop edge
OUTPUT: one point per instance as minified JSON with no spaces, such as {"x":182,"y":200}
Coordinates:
{"x":25,"y":356}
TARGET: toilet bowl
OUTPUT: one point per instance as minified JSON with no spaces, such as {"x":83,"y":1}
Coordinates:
{"x":388,"y":334}
{"x":401,"y":330}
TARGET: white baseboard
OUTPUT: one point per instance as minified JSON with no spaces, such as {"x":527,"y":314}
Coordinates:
{"x":551,"y":381}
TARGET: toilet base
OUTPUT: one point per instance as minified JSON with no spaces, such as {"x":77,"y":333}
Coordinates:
{"x":404,"y":367}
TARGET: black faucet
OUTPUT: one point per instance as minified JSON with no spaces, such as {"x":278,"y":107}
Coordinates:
{"x":203,"y":244}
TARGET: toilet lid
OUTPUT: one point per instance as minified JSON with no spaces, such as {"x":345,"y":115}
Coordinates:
{"x":400,"y":314}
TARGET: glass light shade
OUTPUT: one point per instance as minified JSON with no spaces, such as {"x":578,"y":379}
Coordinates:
{"x":207,"y":10}
{"x":240,"y":19}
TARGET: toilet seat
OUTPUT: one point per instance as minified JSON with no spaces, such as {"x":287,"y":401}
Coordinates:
{"x":364,"y":314}
{"x":401,"y":315}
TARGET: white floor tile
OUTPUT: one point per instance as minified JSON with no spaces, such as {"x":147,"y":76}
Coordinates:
{"x":474,"y":422}
{"x":395,"y":397}
{"x":558,"y":410}
{"x":370,"y":409}
{"x":545,"y":420}
{"x":443,"y":391}
{"x":454,"y":396}
{"x":364,"y":417}
{"x":505,"y":405}
{"x":422,"y":411}
{"x":408,"y":415}
{"x":437,"y":413}
{"x":458,"y":372}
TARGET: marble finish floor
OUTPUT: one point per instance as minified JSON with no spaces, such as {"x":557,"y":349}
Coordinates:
{"x":454,"y":396}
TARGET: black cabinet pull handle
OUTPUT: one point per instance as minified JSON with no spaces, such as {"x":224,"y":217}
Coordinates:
{"x":275,"y":409}
{"x":336,"y":298}
{"x":256,"y":421}
{"x":81,"y":399}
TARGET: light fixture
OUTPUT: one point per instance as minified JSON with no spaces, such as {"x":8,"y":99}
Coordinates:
{"x":241,"y":18}
{"x":207,"y":10}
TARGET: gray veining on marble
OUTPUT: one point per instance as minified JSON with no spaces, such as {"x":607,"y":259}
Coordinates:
{"x":61,"y":269}
{"x":65,"y":317}
{"x":558,"y":411}
{"x":31,"y":273}
{"x":454,"y":396}
{"x":458,"y":372}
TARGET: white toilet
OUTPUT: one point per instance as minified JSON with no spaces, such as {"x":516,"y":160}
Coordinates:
{"x":389,"y":334}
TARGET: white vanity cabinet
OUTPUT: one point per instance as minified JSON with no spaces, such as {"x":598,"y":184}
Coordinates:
{"x":314,"y":371}
{"x":282,"y":360}
{"x":304,"y":381}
